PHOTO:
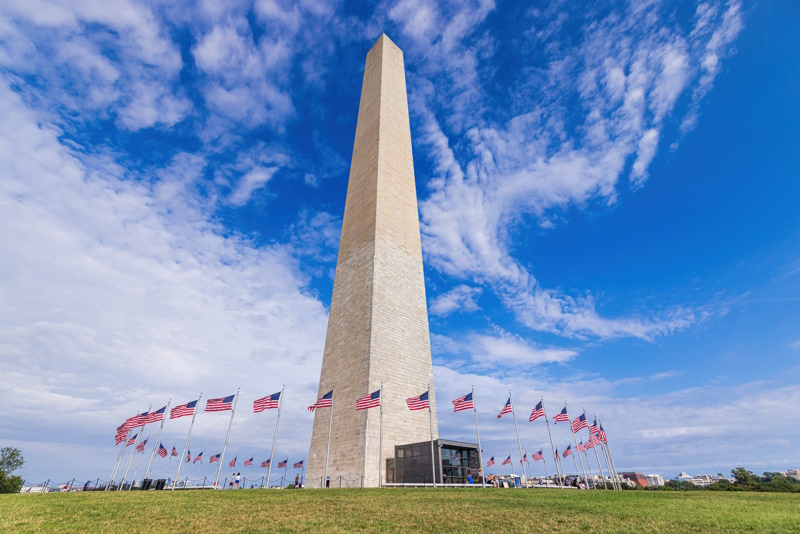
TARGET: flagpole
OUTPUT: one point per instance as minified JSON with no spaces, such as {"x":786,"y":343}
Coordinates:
{"x":380,"y":444}
{"x":433,"y":455}
{"x":275,"y":436}
{"x":585,"y":480}
{"x":135,"y":443}
{"x":222,"y":458}
{"x":495,"y":466}
{"x":613,"y":465}
{"x":169,"y":459}
{"x":608,"y":465}
{"x":158,"y":438}
{"x":138,"y":463}
{"x":478,"y":430}
{"x":119,"y":457}
{"x":185,"y":445}
{"x":519,"y":444}
{"x":201,"y":463}
{"x":597,"y":456}
{"x":614,"y":482}
{"x":546,"y":476}
{"x":588,"y":465}
{"x":330,"y":427}
{"x":366,"y":440}
{"x":552,"y":447}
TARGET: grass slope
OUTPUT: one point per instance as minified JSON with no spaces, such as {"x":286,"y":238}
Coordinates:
{"x":393,"y":510}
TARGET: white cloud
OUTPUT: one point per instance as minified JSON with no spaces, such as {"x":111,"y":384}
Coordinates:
{"x":630,"y":70}
{"x":250,"y":182}
{"x":500,"y":351}
{"x":122,"y":292}
{"x":461,"y":298}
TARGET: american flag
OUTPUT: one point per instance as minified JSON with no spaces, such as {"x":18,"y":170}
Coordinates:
{"x":298,"y":465}
{"x":223,"y":404}
{"x":507,"y":460}
{"x":132,"y":440}
{"x":506,"y":409}
{"x":154,"y":417}
{"x":596,"y":439}
{"x":463,"y":403}
{"x":283,"y":463}
{"x":538,"y":456}
{"x":418,"y":403}
{"x":602,"y":435}
{"x":120,"y":436}
{"x":248,"y":462}
{"x":589,"y":443}
{"x":132,"y":422}
{"x":174,"y":451}
{"x":188,"y":456}
{"x":524,"y":459}
{"x":581,"y":448}
{"x":183,"y":410}
{"x":324,"y":401}
{"x":162,"y":450}
{"x":140,"y":447}
{"x":198,"y":459}
{"x":562,"y":416}
{"x":538,"y":411}
{"x":580,"y":423}
{"x":490,"y":463}
{"x":213,"y":459}
{"x":265,"y":463}
{"x":267,"y":403}
{"x":567,"y":451}
{"x":233,"y":462}
{"x":373,"y":400}
{"x":558,"y":458}
{"x":593,"y":428}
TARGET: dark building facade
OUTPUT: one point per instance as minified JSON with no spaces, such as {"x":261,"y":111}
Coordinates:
{"x":453,"y":462}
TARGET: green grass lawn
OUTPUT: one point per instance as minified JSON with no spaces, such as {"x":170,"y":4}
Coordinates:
{"x":396,"y":509}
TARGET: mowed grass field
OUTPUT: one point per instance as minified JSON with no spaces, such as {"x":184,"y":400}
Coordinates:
{"x":400,"y":510}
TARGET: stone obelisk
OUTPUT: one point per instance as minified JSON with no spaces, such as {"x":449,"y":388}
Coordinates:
{"x":378,"y":324}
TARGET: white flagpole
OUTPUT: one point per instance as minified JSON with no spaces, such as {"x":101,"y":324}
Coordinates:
{"x":597,"y":456}
{"x":158,"y":438}
{"x":380,"y":444}
{"x":433,"y":455}
{"x":222,"y":458}
{"x":330,"y":427}
{"x":119,"y":457}
{"x":366,"y":442}
{"x":519,"y":443}
{"x":201,"y":464}
{"x":613,"y":465}
{"x":494,"y":464}
{"x":275,"y":436}
{"x":585,"y":480}
{"x":138,"y":463}
{"x":169,"y":459}
{"x":185,"y":445}
{"x":546,"y":476}
{"x":588,"y":465}
{"x":614,"y":482}
{"x":552,"y":447}
{"x":135,"y":443}
{"x":478,"y":430}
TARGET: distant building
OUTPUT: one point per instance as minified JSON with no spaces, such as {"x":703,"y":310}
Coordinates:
{"x":654,"y":481}
{"x":794,"y":473}
{"x":636,"y":478}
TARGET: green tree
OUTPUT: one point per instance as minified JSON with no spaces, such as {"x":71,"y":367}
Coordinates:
{"x":745,"y":479}
{"x":10,"y":460}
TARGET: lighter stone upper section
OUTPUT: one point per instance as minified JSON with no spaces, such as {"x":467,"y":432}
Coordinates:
{"x":378,"y":323}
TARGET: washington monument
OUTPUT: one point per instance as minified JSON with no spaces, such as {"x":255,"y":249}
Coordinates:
{"x":378,"y":323}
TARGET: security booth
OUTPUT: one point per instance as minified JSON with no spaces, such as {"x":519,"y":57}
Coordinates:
{"x":453,"y":461}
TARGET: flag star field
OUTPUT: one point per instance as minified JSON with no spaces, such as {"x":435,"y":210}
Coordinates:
{"x":609,"y":208}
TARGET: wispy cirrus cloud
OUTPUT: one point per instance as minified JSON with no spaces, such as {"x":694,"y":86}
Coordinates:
{"x":606,"y":94}
{"x":459,"y":299}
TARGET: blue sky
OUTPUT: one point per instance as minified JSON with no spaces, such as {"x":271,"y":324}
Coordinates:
{"x":608,"y":203}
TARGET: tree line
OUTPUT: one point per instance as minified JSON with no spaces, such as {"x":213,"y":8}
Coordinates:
{"x":744,"y":480}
